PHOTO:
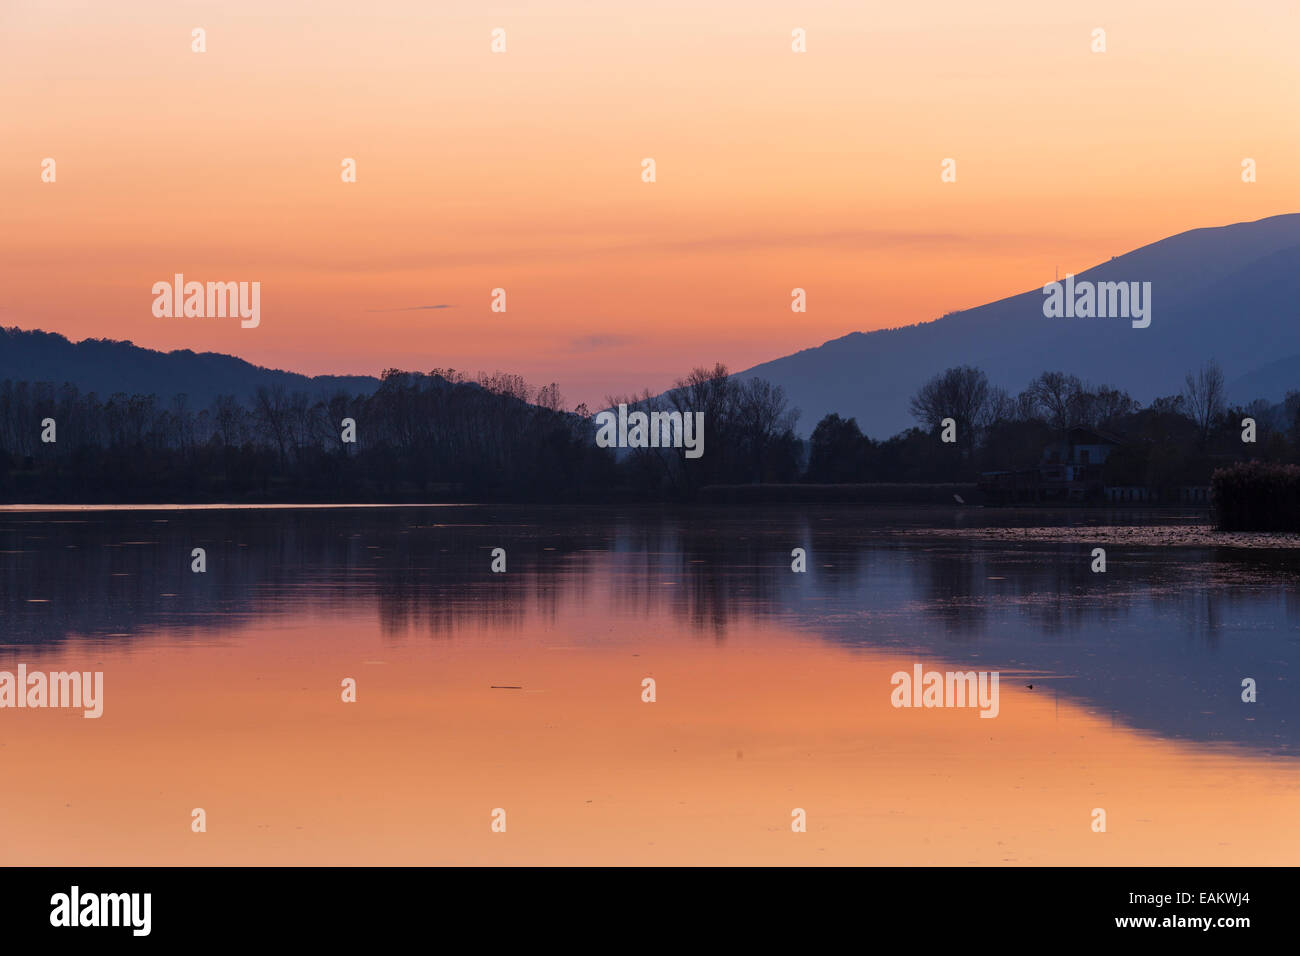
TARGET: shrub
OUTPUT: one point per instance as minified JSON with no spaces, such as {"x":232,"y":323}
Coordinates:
{"x":1256,"y":496}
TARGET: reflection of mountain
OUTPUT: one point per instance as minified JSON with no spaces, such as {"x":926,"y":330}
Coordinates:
{"x":1230,"y":293}
{"x":1162,"y":640}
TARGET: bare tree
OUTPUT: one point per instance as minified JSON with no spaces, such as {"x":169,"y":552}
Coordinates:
{"x":962,"y":394}
{"x":229,"y":415}
{"x":1205,"y":395}
{"x":762,"y":418}
{"x":1056,"y":396}
{"x":1001,"y":407}
{"x":549,"y":397}
{"x":1108,"y":405}
{"x":271,"y":410}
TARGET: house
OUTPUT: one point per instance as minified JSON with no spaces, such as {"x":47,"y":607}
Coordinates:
{"x":1077,"y":458}
{"x":1069,"y":470}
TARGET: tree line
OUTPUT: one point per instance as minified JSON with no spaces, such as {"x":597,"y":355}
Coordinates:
{"x":1175,"y":439}
{"x":440,"y":435}
{"x":443,"y":435}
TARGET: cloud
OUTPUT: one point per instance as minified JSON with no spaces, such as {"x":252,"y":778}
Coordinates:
{"x":614,"y":245}
{"x":588,"y":343}
{"x":413,"y":308}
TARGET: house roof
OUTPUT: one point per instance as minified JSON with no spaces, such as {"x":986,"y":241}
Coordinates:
{"x":1082,"y":434}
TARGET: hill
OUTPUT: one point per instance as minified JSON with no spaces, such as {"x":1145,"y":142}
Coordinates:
{"x":1230,"y":293}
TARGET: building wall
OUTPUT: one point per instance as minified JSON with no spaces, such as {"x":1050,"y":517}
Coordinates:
{"x":1096,"y":453}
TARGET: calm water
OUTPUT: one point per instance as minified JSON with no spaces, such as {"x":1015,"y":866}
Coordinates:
{"x":522,"y":691}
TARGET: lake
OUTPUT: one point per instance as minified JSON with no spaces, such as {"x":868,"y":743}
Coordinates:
{"x":515,"y":698}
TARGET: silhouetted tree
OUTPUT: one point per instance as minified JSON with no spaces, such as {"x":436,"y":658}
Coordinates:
{"x":1205,"y":395}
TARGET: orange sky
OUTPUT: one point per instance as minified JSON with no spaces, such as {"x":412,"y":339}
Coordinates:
{"x":522,"y":170}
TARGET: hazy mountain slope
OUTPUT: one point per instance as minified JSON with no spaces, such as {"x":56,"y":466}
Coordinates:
{"x":1230,"y":293}
{"x":105,"y":367}
{"x":1271,"y":381}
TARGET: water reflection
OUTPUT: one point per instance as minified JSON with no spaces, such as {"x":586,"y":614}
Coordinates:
{"x":1161,"y":642}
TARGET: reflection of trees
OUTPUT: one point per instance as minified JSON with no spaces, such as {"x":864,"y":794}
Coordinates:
{"x":426,"y":570}
{"x":1162,"y":638}
{"x":116,"y":574}
{"x":1051,"y":587}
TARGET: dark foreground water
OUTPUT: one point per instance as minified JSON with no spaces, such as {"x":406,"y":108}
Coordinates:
{"x":520,"y":696}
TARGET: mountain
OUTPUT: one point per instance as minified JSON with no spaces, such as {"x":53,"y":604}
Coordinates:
{"x":105,"y":367}
{"x":1230,"y":293}
{"x":1271,"y":381}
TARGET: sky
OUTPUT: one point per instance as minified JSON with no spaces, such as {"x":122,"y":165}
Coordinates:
{"x":522,"y":170}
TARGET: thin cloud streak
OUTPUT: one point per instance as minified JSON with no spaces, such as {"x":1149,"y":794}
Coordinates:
{"x":413,"y":308}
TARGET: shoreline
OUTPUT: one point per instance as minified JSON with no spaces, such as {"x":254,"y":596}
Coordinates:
{"x":1152,"y":536}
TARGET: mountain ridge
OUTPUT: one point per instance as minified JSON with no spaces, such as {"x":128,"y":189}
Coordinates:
{"x":109,"y":366}
{"x":1248,"y":271}
{"x":1229,"y":293}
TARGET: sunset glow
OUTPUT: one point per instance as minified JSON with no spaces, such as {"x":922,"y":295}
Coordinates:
{"x":522,"y":170}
